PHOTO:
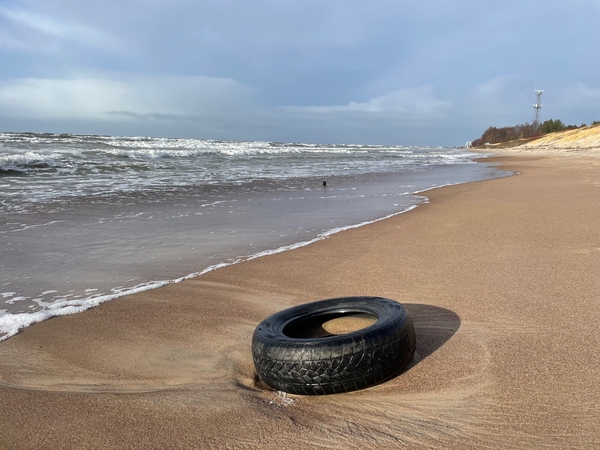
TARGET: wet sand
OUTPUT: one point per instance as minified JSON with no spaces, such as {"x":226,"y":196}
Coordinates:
{"x":502,"y":278}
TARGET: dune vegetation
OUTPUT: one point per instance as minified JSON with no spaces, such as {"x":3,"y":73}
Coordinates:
{"x":528,"y":135}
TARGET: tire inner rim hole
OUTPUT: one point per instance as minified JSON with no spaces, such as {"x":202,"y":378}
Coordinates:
{"x":331,"y":324}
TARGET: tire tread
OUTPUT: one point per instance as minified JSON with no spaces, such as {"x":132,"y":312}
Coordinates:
{"x":328,"y":367}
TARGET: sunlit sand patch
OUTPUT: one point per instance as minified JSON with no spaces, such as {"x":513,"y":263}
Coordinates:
{"x":349,"y":323}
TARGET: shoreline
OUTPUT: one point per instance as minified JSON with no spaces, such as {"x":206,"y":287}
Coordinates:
{"x":13,"y":322}
{"x":500,"y":277}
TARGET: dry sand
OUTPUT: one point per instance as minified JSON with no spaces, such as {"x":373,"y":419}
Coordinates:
{"x":502,"y":279}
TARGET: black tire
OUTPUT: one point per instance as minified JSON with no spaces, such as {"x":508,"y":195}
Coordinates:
{"x":293,"y":353}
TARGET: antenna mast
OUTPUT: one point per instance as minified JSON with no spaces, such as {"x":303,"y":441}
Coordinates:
{"x":537,"y":108}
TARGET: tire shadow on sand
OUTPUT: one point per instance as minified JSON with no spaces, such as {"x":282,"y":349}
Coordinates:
{"x":434,"y":326}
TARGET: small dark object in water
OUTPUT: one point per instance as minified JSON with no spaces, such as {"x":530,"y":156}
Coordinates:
{"x":324,"y":183}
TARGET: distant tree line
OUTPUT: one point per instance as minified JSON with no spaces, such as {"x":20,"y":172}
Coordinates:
{"x":494,"y":135}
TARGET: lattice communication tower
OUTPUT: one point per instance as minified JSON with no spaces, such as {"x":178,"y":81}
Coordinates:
{"x":537,"y":108}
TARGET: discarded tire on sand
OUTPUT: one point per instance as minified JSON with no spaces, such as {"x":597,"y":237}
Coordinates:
{"x":293,"y":351}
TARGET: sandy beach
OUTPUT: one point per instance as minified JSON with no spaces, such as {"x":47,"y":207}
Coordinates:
{"x":501,"y":277}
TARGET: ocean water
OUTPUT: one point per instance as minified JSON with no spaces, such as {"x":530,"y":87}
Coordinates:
{"x":85,"y":219}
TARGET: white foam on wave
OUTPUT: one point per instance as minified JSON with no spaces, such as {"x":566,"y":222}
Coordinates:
{"x":13,"y":300}
{"x":49,"y":292}
{"x":59,"y":168}
{"x":18,"y":160}
{"x":10,"y":324}
{"x":28,"y":227}
{"x":157,"y":148}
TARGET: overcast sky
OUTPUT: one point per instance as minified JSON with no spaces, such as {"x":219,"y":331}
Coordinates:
{"x":431,"y":72}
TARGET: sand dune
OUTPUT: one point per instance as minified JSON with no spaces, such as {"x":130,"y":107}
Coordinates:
{"x":587,"y":138}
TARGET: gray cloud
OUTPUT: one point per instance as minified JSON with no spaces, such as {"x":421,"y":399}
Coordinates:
{"x":91,"y":97}
{"x":34,"y":31}
{"x":416,"y":102}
